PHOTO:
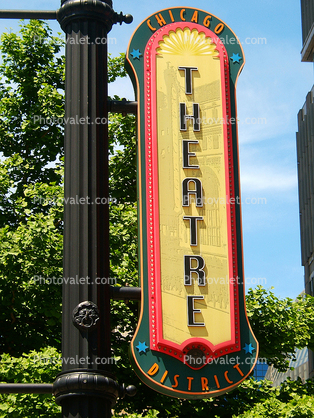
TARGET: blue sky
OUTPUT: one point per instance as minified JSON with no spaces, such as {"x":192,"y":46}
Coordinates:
{"x":271,"y":89}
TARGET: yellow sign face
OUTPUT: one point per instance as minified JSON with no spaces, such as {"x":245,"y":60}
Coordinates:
{"x":204,"y":151}
{"x":193,"y":308}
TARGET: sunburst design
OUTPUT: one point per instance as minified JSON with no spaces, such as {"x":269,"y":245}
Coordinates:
{"x":187,"y":42}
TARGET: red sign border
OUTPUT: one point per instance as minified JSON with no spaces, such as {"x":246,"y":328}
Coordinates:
{"x":152,"y":203}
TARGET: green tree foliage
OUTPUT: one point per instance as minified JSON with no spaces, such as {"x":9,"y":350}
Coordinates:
{"x":251,"y":399}
{"x":36,"y":367}
{"x":30,"y":264}
{"x":122,"y":163}
{"x":31,"y":248}
{"x":31,"y":137}
{"x":116,"y":67}
{"x":31,"y":110}
{"x":292,"y":399}
{"x":280,"y":325}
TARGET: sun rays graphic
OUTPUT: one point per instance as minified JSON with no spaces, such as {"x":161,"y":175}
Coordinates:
{"x":187,"y":42}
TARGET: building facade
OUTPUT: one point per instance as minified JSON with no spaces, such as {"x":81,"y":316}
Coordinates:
{"x":305,"y":156}
{"x":299,"y":368}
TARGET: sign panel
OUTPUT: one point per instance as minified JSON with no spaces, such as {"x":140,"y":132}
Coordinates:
{"x":193,"y":338}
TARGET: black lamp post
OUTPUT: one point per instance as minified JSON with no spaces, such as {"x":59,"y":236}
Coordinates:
{"x":86,"y":387}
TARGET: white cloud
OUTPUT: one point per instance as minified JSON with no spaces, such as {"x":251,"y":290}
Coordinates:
{"x":273,"y":86}
{"x":267,"y":178}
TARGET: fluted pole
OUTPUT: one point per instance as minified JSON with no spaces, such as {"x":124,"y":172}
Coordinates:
{"x":86,"y":387}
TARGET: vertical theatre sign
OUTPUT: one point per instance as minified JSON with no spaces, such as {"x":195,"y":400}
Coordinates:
{"x":193,"y":338}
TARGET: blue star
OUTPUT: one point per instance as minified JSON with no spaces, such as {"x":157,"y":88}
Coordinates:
{"x":248,"y":348}
{"x":236,"y":58}
{"x":136,"y":54}
{"x":142,"y":347}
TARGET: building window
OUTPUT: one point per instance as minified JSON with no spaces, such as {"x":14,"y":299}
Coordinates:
{"x":260,"y":370}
